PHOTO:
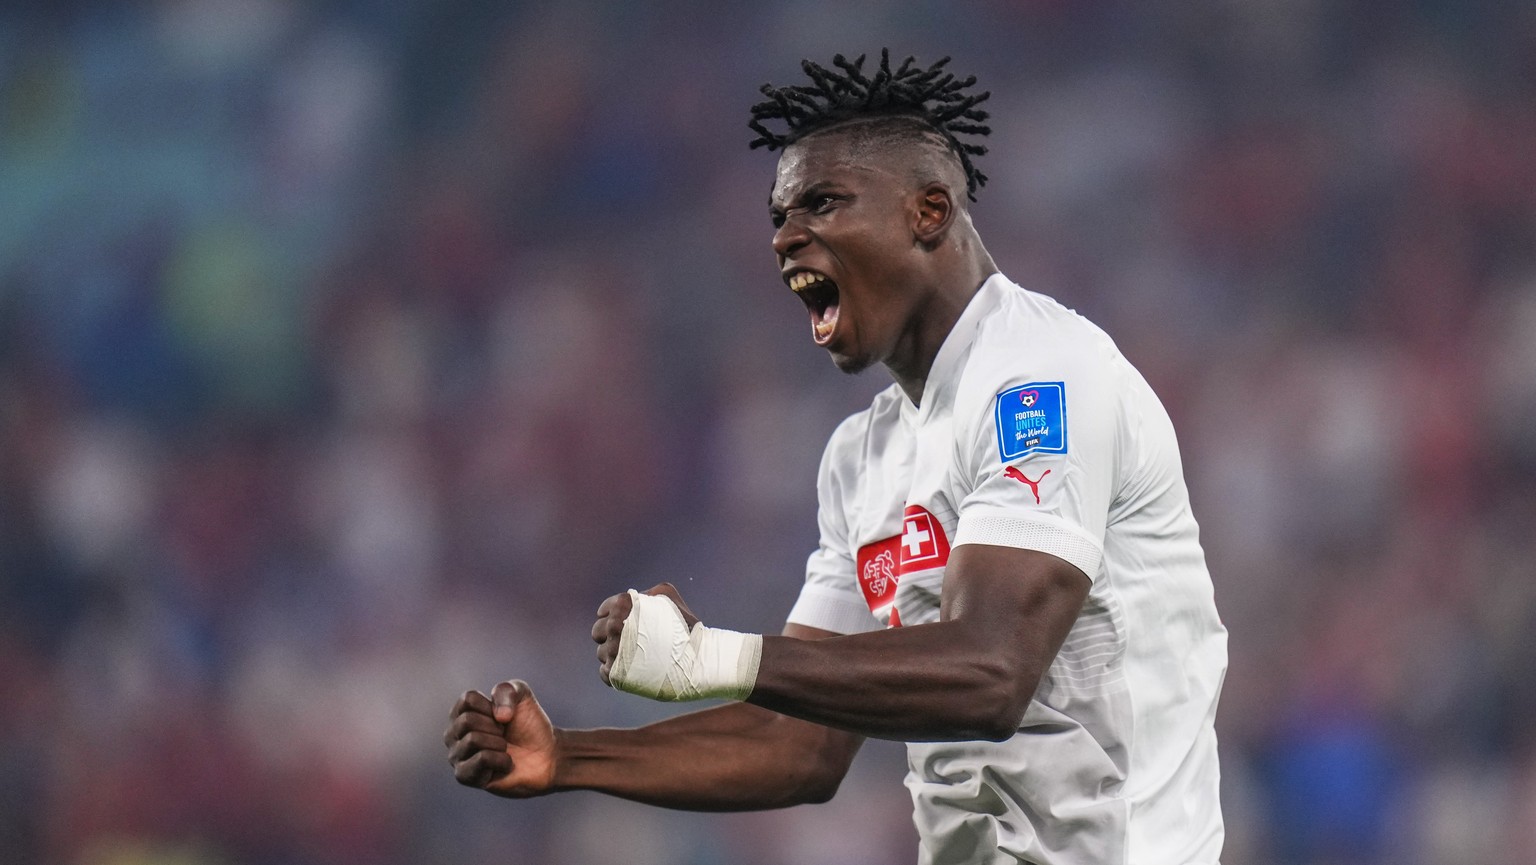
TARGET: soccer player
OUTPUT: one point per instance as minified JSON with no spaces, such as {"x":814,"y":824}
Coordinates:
{"x":1009,"y":577}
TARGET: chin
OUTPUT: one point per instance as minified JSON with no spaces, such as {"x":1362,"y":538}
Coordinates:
{"x":851,"y":364}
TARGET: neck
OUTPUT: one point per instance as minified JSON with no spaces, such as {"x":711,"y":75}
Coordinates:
{"x":933,"y":321}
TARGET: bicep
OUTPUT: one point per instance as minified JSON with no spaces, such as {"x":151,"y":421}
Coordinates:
{"x":1018,"y":603}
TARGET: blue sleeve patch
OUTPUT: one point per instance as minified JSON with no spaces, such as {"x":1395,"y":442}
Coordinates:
{"x":1032,"y":418}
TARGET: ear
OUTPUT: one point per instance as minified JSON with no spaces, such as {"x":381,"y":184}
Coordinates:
{"x":935,"y":213}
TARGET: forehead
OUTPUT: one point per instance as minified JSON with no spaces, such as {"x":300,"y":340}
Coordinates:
{"x":838,"y":160}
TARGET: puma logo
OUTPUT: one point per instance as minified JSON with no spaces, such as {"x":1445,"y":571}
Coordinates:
{"x":1034,"y":485}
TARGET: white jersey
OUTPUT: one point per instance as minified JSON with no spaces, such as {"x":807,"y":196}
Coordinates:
{"x":1035,"y":432}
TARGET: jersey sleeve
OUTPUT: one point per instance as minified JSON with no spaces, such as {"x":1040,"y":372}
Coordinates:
{"x":1037,"y":457}
{"x":830,"y":598}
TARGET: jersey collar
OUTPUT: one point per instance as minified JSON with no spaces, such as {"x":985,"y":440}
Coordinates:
{"x":940,"y":387}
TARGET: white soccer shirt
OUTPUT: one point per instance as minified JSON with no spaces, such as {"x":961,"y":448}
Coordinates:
{"x":1035,"y":432}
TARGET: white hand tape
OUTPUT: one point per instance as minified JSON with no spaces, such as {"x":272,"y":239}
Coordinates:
{"x":660,"y":658}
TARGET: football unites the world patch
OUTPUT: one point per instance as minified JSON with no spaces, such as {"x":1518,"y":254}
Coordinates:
{"x":1032,"y":418}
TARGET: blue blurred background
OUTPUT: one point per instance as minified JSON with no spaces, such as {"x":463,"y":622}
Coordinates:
{"x":351,"y":353}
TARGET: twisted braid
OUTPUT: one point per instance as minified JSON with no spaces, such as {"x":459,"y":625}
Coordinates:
{"x":930,"y":96}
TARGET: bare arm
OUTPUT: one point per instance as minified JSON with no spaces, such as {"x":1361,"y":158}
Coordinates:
{"x":971,"y":675}
{"x":728,"y":758}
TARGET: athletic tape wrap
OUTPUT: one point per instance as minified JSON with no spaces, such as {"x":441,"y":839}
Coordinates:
{"x":661,"y":659}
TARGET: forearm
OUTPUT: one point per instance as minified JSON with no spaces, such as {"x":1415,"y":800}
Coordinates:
{"x":932,"y":682}
{"x":736,"y":757}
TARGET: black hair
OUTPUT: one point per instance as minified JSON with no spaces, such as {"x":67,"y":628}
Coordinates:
{"x":931,"y":97}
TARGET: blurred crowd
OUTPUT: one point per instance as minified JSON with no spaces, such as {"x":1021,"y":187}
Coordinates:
{"x":351,"y":353}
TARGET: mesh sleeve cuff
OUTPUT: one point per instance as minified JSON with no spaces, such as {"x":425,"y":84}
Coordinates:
{"x":831,"y":610}
{"x":1011,"y":529}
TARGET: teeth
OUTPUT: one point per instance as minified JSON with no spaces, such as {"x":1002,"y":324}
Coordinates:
{"x":805,"y":279}
{"x":823,"y":328}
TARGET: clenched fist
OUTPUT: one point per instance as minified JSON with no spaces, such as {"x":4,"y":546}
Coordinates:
{"x":503,"y":743}
{"x":608,"y":631}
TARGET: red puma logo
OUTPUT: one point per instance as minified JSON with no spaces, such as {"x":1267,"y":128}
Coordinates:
{"x":1034,"y":485}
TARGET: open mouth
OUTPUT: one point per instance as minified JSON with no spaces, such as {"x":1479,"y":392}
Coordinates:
{"x":820,"y":296}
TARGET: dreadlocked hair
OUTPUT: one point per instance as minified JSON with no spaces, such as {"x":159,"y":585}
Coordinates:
{"x":931,"y":97}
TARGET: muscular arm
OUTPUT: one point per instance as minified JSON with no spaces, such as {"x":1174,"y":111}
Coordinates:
{"x":734,"y":757}
{"x":971,"y":675}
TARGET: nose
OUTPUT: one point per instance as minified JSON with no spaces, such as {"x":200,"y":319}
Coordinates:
{"x":789,"y":237}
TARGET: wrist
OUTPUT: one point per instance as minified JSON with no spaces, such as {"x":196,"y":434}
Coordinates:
{"x":728,"y":662}
{"x":559,"y":773}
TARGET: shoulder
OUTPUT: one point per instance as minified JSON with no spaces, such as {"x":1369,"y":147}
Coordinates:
{"x":1033,"y":330}
{"x":1033,"y":338}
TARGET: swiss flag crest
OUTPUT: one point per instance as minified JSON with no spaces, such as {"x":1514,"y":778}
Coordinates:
{"x":921,"y":545}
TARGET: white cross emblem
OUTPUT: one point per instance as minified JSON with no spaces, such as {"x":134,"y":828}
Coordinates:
{"x":914,"y":538}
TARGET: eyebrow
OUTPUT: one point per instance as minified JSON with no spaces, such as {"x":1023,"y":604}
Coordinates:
{"x":816,"y":188}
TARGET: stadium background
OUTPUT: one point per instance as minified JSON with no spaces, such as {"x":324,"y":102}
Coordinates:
{"x":351,"y":352}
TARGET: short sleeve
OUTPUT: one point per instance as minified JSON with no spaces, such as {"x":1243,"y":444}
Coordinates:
{"x":1036,"y":454}
{"x":830,"y":599}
